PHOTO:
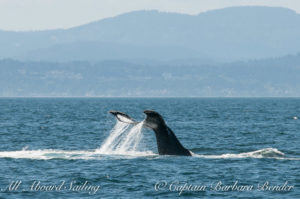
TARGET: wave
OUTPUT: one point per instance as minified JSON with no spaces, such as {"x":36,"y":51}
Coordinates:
{"x":261,"y":153}
{"x":46,"y":154}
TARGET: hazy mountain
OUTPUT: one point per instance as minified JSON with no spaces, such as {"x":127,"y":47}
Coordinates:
{"x":222,"y":35}
{"x":94,"y":50}
{"x":267,"y":77}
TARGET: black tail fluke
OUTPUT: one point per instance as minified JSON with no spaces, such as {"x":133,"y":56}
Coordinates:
{"x":123,"y":117}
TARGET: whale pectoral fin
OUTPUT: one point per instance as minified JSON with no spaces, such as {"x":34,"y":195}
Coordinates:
{"x":123,"y":117}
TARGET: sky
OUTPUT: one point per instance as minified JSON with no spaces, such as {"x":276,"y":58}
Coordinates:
{"x":22,"y":15}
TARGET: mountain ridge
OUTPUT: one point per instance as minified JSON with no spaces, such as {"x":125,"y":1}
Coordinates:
{"x":229,"y":34}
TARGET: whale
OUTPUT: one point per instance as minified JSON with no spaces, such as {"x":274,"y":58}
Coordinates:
{"x":166,"y":140}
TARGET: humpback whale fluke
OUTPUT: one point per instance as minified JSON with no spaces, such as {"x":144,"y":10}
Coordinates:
{"x":167,"y":142}
{"x":123,"y":117}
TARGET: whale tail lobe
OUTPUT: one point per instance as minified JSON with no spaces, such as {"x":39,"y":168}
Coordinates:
{"x":123,"y":117}
{"x":167,"y":142}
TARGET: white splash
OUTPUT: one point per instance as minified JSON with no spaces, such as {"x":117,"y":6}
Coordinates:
{"x":46,"y":154}
{"x":261,"y":153}
{"x":124,"y":139}
{"x":114,"y":137}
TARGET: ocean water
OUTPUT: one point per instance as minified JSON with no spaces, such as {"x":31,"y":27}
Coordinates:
{"x":73,"y":148}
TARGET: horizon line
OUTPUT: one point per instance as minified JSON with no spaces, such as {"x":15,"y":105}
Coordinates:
{"x":105,"y":97}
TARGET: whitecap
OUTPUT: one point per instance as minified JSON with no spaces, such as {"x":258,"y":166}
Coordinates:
{"x":261,"y":153}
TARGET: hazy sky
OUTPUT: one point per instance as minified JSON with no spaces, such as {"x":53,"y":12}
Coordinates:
{"x":50,"y":14}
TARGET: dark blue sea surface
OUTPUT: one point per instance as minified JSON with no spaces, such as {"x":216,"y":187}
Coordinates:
{"x":237,"y":142}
